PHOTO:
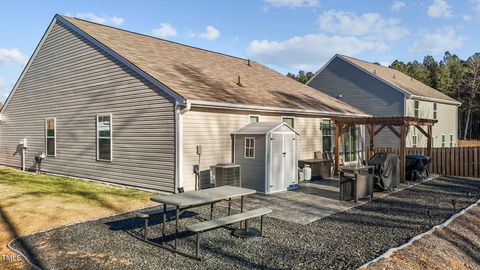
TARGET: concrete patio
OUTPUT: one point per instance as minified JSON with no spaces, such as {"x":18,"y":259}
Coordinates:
{"x":312,"y":201}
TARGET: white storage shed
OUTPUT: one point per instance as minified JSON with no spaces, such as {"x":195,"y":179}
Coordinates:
{"x":267,"y":155}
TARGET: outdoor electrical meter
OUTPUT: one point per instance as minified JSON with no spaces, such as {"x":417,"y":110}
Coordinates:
{"x":199,"y":150}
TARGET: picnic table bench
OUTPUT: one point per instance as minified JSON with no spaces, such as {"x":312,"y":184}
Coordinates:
{"x":211,"y":196}
{"x":224,"y":221}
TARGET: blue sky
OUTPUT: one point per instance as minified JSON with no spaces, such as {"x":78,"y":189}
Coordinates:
{"x":286,"y":35}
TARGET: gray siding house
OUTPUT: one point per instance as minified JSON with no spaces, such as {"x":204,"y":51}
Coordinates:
{"x":120,"y":107}
{"x":382,"y":91}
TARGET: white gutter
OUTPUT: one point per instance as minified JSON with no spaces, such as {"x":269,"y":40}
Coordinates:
{"x":180,"y":110}
{"x":233,"y":106}
{"x":436,"y":100}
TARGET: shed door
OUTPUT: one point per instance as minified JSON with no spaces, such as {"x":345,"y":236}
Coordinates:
{"x":276,"y":176}
{"x":283,"y":161}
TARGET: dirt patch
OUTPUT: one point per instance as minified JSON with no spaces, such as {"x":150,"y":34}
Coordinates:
{"x":30,"y":203}
{"x":456,"y":246}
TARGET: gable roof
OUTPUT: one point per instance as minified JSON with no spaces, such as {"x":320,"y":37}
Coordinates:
{"x":399,"y":80}
{"x":262,"y":128}
{"x":201,"y":75}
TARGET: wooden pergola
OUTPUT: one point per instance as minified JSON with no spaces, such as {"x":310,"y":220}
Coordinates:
{"x":375,"y":125}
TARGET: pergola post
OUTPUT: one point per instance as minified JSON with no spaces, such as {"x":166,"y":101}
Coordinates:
{"x":403,"y":133}
{"x":337,"y":147}
{"x":429,"y":141}
{"x":371,"y":133}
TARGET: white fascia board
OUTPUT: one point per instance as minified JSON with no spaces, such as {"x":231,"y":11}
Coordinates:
{"x":321,"y":69}
{"x":178,"y":98}
{"x":29,"y":63}
{"x":438,"y":100}
{"x":244,"y":107}
{"x":407,"y":94}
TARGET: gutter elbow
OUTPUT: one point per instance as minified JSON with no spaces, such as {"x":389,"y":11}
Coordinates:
{"x":187,"y":108}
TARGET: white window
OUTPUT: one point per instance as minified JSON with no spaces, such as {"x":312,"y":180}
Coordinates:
{"x":289,"y":120}
{"x":254,"y":118}
{"x":50,"y":136}
{"x":104,"y":137}
{"x":414,"y":140}
{"x":416,"y":108}
{"x":451,"y":140}
{"x":249,"y":147}
{"x":434,"y":110}
{"x":443,"y":140}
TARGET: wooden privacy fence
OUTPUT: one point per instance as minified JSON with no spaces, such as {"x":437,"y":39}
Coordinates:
{"x":453,"y":161}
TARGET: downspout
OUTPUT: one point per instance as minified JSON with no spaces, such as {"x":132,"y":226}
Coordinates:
{"x":180,"y":111}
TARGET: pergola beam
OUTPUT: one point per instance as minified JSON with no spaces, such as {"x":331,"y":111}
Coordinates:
{"x":394,"y":131}
{"x":342,"y":124}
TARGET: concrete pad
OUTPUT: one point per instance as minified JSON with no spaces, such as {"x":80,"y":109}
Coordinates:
{"x":311,"y":202}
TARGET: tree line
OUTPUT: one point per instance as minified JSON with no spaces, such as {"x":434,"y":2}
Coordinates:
{"x":453,"y":76}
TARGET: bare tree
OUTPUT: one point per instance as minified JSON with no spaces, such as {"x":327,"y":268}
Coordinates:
{"x":472,"y":85}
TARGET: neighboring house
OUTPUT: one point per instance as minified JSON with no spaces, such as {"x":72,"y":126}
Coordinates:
{"x":121,"y":107}
{"x":383,"y":91}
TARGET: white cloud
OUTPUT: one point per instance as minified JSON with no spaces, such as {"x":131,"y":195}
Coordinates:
{"x":309,"y":52}
{"x":397,"y":5}
{"x":439,"y":9}
{"x":165,"y":30}
{"x":211,"y":33}
{"x":475,"y":5}
{"x":4,"y":91}
{"x":443,"y":39}
{"x":110,"y":20}
{"x":292,"y":3}
{"x":12,"y":57}
{"x":466,"y":17}
{"x":367,"y":24}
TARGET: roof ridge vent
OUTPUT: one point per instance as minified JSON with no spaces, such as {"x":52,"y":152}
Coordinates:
{"x":248,"y":62}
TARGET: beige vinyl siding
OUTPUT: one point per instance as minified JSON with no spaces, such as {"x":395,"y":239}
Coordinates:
{"x":447,"y":116}
{"x":73,"y":81}
{"x":213,"y":130}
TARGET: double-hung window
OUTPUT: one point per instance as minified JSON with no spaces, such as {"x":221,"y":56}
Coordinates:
{"x":416,"y":108}
{"x":327,"y":135}
{"x":254,"y":118}
{"x":443,"y":140}
{"x":434,"y":110}
{"x":414,"y":140}
{"x":50,"y":136}
{"x":104,"y":137}
{"x":249,"y":147}
{"x":451,"y":140}
{"x":289,"y":120}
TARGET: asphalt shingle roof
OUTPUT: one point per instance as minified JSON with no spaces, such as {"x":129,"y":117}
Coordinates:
{"x":199,"y":74}
{"x":399,"y":79}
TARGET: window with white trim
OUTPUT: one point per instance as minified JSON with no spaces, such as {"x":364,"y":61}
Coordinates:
{"x":289,"y":120}
{"x":414,"y":140}
{"x":50,"y":136}
{"x":451,"y":140}
{"x":443,"y":140}
{"x":104,"y":137}
{"x":416,"y":109}
{"x":254,"y":118}
{"x":249,"y":147}
{"x":434,"y":110}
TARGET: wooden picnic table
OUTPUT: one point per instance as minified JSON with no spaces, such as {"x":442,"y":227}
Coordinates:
{"x":198,"y":198}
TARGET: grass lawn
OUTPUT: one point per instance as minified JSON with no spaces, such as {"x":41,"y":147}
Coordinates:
{"x":30,"y":203}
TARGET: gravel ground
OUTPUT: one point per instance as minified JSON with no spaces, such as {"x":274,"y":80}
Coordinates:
{"x":344,"y":240}
{"x":456,"y":246}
